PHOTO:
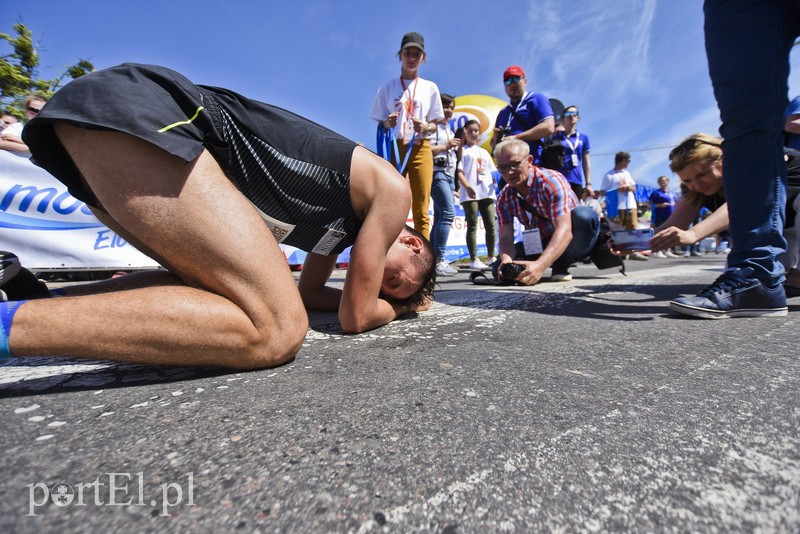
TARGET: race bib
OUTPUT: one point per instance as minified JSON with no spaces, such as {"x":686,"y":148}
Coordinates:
{"x":328,"y":242}
{"x":280,"y":230}
{"x":532,"y":241}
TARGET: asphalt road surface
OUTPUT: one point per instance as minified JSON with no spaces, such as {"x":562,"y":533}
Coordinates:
{"x":567,"y":407}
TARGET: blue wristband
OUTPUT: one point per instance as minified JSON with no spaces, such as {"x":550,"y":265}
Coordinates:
{"x":7,"y":311}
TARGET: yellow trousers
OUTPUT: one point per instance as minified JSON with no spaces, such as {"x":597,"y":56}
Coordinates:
{"x":629,"y":219}
{"x":419,"y":171}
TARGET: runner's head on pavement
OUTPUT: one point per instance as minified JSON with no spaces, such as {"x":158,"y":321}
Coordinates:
{"x":409,"y":274}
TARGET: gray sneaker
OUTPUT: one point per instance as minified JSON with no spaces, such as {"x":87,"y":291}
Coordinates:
{"x":443,"y":268}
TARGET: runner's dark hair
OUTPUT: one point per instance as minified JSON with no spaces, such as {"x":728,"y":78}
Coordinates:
{"x":425,"y":262}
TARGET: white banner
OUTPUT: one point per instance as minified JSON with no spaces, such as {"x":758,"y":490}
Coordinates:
{"x":50,"y":229}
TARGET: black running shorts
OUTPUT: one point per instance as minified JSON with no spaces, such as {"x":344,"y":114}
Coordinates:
{"x":294,"y":171}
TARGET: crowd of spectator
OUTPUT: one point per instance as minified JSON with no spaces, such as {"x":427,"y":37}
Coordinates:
{"x":558,"y":179}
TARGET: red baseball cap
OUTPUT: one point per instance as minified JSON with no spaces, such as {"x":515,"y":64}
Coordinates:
{"x":513,"y":70}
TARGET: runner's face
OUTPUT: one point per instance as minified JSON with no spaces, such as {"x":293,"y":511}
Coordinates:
{"x":401,"y":279}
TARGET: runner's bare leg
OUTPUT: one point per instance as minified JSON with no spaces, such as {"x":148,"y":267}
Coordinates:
{"x":240,"y":306}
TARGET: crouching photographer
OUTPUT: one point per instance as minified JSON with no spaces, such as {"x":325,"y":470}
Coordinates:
{"x":557,"y":229}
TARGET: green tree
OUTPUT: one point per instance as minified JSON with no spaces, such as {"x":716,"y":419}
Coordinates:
{"x":19,"y":71}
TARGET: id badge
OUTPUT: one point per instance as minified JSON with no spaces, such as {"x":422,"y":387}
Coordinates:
{"x":409,"y":131}
{"x":575,"y":160}
{"x":532,"y":241}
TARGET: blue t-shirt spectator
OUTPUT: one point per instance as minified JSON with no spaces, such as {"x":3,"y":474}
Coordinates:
{"x":532,"y":109}
{"x":662,"y":197}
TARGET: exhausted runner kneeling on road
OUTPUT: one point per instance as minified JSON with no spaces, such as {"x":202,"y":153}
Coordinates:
{"x":208,"y":182}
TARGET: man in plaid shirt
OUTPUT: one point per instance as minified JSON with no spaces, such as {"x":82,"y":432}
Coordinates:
{"x":557,"y":230}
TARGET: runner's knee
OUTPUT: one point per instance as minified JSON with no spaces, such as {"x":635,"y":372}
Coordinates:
{"x":277,"y":342}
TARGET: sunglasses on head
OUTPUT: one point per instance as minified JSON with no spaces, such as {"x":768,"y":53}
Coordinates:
{"x":512,"y":79}
{"x":690,"y":144}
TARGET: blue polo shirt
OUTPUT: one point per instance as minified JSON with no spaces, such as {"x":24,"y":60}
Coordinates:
{"x":577,"y":144}
{"x":531,"y":110}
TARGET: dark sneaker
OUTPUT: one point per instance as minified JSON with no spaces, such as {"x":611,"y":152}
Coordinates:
{"x":9,"y":266}
{"x":18,"y":283}
{"x":734,"y":295}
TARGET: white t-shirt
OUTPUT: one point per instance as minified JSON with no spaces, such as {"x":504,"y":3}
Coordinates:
{"x":14,"y":129}
{"x":412,"y":98}
{"x":442,"y":136}
{"x":613,"y":180}
{"x":477,"y":165}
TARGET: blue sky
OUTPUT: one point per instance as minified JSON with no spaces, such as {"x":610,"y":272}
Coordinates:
{"x":636,"y":68}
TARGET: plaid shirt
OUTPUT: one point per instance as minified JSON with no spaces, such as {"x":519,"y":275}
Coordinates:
{"x":550,"y":194}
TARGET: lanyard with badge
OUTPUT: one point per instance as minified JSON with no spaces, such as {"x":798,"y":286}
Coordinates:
{"x":515,"y":114}
{"x":408,"y":105}
{"x":531,"y":239}
{"x":574,"y":157}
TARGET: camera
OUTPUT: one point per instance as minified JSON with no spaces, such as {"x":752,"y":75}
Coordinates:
{"x":510,"y":272}
{"x":440,"y":160}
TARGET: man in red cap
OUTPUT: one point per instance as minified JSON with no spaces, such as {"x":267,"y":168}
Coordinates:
{"x":528,"y":117}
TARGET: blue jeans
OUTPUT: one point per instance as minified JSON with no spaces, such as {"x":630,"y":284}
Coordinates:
{"x":748,"y":44}
{"x":585,"y":229}
{"x":443,"y":211}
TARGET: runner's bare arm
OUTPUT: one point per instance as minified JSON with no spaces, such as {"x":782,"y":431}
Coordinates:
{"x":383,"y":197}
{"x":316,"y":294}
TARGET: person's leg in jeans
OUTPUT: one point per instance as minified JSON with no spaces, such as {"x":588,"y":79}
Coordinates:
{"x":585,"y":229}
{"x":489,"y":216}
{"x":748,"y":44}
{"x":443,"y":212}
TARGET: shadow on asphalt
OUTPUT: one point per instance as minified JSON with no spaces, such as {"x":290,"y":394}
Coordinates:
{"x":58,"y":375}
{"x":608,"y":302}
